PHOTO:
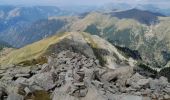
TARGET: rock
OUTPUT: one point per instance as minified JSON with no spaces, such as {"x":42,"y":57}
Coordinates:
{"x":111,"y":75}
{"x":119,"y":75}
{"x":18,"y":70}
{"x":73,"y":76}
{"x":166,"y":97}
{"x":45,"y":68}
{"x":158,"y":84}
{"x":79,"y":76}
{"x":136,"y":77}
{"x":15,"y":97}
{"x":135,"y":85}
{"x":130,"y":97}
{"x":146,"y":92}
{"x":146,"y":98}
{"x":98,"y":84}
{"x":163,"y":81}
{"x":44,"y":80}
{"x":126,"y":97}
{"x":167,"y":90}
{"x":154,"y":84}
{"x":27,"y":90}
{"x":20,"y":80}
{"x":83,"y":92}
{"x":143,"y":82}
{"x":24,"y":70}
{"x":7,"y":78}
{"x":79,"y":84}
{"x":35,"y":87}
{"x":154,"y":96}
{"x":22,"y":75}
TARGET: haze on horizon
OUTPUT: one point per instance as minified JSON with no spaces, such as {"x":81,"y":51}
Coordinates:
{"x":160,"y":3}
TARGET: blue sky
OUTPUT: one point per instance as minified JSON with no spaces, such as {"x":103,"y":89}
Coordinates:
{"x":81,"y":2}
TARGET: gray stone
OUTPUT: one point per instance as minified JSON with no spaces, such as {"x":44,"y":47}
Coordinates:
{"x":163,"y":82}
{"x":15,"y":97}
{"x":83,"y":92}
{"x":98,"y":84}
{"x":127,"y":97}
{"x":130,"y":97}
{"x":35,"y":87}
{"x":22,"y":75}
{"x":44,"y":80}
{"x":143,"y":82}
{"x":166,"y":97}
{"x":154,"y":84}
{"x":27,"y":90}
{"x":7,"y":78}
{"x":167,"y":90}
{"x":21,"y":80}
{"x":135,"y":78}
{"x":109,"y":76}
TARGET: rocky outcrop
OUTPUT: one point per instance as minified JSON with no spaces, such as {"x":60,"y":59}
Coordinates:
{"x":73,"y":71}
{"x":73,"y":76}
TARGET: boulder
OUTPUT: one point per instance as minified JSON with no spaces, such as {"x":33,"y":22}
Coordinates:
{"x":136,"y":77}
{"x":44,"y":80}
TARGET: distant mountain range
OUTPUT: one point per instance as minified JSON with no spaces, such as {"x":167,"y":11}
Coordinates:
{"x":4,"y":45}
{"x":153,"y":8}
{"x":144,"y":17}
{"x":140,"y":30}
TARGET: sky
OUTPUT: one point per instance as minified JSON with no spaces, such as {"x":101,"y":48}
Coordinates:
{"x":82,"y":2}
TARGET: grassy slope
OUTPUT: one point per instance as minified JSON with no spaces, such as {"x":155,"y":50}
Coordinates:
{"x":32,"y":51}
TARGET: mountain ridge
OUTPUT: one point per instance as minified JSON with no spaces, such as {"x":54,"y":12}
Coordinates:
{"x":88,"y":45}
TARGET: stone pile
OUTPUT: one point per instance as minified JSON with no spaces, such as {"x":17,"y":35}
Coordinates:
{"x":73,"y":76}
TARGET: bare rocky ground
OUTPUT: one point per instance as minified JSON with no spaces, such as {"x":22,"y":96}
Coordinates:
{"x":73,"y":76}
{"x":75,"y":71}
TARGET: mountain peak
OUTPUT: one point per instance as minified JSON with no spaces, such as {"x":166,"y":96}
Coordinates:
{"x":145,"y":17}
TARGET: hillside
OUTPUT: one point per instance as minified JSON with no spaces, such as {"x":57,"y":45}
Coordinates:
{"x":88,"y":45}
{"x":77,"y":65}
{"x":150,"y":40}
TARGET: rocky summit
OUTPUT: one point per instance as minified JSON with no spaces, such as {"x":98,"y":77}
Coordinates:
{"x":78,"y":66}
